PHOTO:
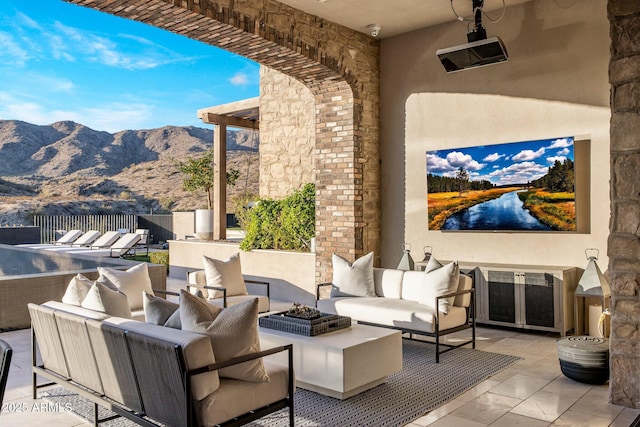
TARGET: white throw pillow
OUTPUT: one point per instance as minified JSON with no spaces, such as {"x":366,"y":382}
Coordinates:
{"x":77,"y":290}
{"x":227,"y":274}
{"x":101,"y":298}
{"x":439,"y":281}
{"x":353,"y":279}
{"x":233,"y":332}
{"x":131,"y":282}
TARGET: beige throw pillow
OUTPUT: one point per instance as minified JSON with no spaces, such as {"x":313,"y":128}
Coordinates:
{"x":101,"y":298}
{"x":439,"y":280}
{"x":131,"y":282}
{"x":233,"y":332}
{"x":353,"y":279}
{"x":227,"y":274}
{"x":77,"y":290}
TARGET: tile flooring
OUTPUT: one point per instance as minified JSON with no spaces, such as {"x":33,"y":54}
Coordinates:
{"x":533,"y":392}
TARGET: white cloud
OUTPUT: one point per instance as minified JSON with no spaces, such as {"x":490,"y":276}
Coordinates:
{"x":108,"y":51}
{"x":493,"y":157}
{"x":240,"y":79}
{"x":518,"y":173}
{"x":436,"y":164}
{"x":11,"y":51}
{"x":526,"y":155}
{"x":458,"y":159}
{"x":561,"y":143}
{"x":564,"y":152}
{"x":112,"y":117}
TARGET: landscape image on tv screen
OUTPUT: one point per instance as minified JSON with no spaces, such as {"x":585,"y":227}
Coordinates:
{"x":518,"y":186}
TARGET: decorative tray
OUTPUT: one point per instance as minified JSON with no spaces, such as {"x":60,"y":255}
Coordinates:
{"x":310,"y":327}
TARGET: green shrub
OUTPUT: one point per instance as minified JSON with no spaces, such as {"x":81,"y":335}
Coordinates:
{"x":160,"y":257}
{"x":287,"y":224}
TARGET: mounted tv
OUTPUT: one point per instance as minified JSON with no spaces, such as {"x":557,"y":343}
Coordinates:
{"x":527,"y":186}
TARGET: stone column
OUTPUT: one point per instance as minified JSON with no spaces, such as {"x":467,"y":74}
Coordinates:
{"x":624,"y":237}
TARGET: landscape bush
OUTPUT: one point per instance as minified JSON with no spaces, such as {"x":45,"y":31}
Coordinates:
{"x":287,"y":224}
{"x":160,"y":257}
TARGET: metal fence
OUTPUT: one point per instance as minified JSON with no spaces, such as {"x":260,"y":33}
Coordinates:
{"x":53,"y":226}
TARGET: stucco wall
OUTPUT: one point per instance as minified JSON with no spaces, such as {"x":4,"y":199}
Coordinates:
{"x":555,"y":84}
{"x":287,"y":134}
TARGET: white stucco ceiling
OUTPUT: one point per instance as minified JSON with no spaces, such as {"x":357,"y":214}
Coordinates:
{"x":393,"y":16}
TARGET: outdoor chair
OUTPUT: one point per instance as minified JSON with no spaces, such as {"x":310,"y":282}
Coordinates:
{"x":224,"y":285}
{"x":69,"y":237}
{"x":103,"y":242}
{"x":87,"y":238}
{"x":64,"y":241}
{"x":5,"y":358}
{"x":119,"y":249}
{"x":145,"y":239}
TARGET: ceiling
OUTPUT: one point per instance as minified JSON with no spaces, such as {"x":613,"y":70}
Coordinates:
{"x":394,"y":17}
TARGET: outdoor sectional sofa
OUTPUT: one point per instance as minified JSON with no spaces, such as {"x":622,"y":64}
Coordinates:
{"x":400,"y":302}
{"x":151,"y":374}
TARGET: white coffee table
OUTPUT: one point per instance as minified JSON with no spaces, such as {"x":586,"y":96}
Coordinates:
{"x":343,"y":363}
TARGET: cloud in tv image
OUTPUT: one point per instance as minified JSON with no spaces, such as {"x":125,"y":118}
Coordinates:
{"x":518,"y":186}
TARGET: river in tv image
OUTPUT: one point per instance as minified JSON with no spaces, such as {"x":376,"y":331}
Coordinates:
{"x":504,"y":213}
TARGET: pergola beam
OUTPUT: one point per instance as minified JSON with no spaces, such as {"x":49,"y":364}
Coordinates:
{"x":222,"y":119}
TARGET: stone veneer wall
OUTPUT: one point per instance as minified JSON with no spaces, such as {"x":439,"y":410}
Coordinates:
{"x":340,"y":66}
{"x":287,"y":134}
{"x":624,"y":238}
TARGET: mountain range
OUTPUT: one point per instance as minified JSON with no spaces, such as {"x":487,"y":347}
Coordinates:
{"x":68,"y":168}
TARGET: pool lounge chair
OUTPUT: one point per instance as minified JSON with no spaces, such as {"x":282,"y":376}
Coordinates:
{"x":103,"y":242}
{"x":87,"y":238}
{"x":65,"y":240}
{"x":69,"y":237}
{"x":119,"y":249}
{"x":144,"y":241}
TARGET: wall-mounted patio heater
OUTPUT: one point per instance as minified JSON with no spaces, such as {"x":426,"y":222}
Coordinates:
{"x":592,"y":297}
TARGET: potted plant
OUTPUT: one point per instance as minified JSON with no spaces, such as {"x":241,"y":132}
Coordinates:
{"x":198,"y":176}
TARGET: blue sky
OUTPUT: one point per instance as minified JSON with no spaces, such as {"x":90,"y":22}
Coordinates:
{"x":60,"y":61}
{"x":502,"y":164}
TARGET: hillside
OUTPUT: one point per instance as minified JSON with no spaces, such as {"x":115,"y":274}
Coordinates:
{"x":67,"y":168}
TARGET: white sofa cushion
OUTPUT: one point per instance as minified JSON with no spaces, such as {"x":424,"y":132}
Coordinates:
{"x":235,"y":397}
{"x":233,"y":331}
{"x":104,"y":299}
{"x":412,"y":285}
{"x":439,"y":281}
{"x":77,"y":290}
{"x":132,"y":282}
{"x":393,"y":312}
{"x":353,"y":279}
{"x":388,"y":282}
{"x":226,"y":274}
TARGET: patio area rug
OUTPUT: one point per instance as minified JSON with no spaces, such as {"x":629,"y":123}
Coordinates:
{"x":420,"y":387}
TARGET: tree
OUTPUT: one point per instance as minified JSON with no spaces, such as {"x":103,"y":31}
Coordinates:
{"x":463,"y":179}
{"x":199,"y":175}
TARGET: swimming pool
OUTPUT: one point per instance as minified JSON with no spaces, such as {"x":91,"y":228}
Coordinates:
{"x":28,"y":275}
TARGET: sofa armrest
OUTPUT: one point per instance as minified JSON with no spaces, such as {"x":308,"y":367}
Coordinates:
{"x":165,"y":292}
{"x":214,"y":288}
{"x":470,"y":310}
{"x":241,"y":359}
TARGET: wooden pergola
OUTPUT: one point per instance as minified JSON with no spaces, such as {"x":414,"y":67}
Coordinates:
{"x":240,"y":114}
